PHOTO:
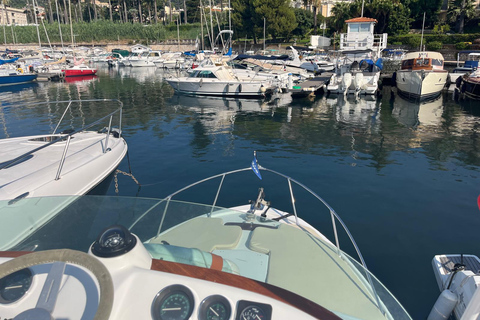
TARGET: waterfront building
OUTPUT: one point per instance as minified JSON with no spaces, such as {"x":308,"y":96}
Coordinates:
{"x":15,"y":16}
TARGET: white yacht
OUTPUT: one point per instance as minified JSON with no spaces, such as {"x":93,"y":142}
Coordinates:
{"x":171,"y":60}
{"x":146,"y":59}
{"x":358,"y":46}
{"x":69,"y":162}
{"x":422,"y":76}
{"x":213,"y":80}
{"x":169,"y":259}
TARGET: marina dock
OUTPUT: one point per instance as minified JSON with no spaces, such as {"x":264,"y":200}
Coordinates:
{"x":311,"y":86}
{"x":50,"y":76}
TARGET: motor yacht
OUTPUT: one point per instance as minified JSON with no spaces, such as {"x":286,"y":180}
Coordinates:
{"x":213,"y":80}
{"x":68,"y":162}
{"x":146,"y":59}
{"x":133,"y":258}
{"x":422,"y":76}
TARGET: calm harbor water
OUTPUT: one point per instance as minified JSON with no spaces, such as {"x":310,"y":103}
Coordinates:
{"x":404,"y":177}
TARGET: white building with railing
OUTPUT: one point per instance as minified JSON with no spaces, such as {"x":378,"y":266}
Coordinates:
{"x":360,"y":36}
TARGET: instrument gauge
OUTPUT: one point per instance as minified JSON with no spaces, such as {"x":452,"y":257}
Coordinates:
{"x":249,"y":310}
{"x":14,"y":286}
{"x":173,"y":303}
{"x":252,"y":313}
{"x":214,"y":308}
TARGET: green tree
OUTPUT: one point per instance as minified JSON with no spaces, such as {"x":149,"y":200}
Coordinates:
{"x":459,"y":12}
{"x":304,"y":22}
{"x":279,"y":17}
{"x":431,"y":8}
{"x":248,"y":18}
{"x":392,"y":15}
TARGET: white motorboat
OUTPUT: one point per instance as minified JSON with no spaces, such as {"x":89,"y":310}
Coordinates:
{"x":70,"y":162}
{"x":421,"y":76}
{"x":458,"y":279}
{"x":180,"y":260}
{"x":222,"y":81}
{"x":171,"y":60}
{"x":146,"y":59}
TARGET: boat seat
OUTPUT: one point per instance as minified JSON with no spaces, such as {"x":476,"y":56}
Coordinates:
{"x":214,"y":235}
{"x":287,"y":248}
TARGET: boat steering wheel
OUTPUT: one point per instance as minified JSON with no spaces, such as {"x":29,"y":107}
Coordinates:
{"x":48,"y":296}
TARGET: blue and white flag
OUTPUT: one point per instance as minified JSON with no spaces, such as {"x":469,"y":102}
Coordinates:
{"x":255,"y":166}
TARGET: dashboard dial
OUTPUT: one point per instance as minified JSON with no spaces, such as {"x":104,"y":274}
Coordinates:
{"x":14,"y":286}
{"x":252,"y":313}
{"x":215,"y":308}
{"x":251,"y":310}
{"x":173,"y":303}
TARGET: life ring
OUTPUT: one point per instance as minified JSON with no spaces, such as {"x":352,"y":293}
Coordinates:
{"x":20,"y":70}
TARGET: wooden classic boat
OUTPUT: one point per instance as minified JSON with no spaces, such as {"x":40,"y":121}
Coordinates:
{"x":421,"y":76}
{"x":469,"y":85}
{"x":179,"y":260}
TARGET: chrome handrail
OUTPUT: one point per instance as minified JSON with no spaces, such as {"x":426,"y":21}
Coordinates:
{"x":68,"y":135}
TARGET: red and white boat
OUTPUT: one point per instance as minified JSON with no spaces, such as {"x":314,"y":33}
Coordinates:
{"x":80,"y":70}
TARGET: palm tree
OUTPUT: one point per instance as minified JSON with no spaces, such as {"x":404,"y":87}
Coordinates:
{"x":460,"y":11}
{"x":315,"y":5}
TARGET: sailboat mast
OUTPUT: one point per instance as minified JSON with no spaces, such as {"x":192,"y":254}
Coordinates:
{"x":264,"y":39}
{"x":363,"y":4}
{"x":59,"y":26}
{"x":201,"y":22}
{"x":211,"y":23}
{"x":4,"y":31}
{"x":423,"y":27}
{"x":71,"y":25}
{"x":178,"y":32}
{"x":36,"y":23}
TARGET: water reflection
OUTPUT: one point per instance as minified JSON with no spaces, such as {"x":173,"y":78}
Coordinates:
{"x":361,"y":112}
{"x":422,"y":114}
{"x":323,"y":126}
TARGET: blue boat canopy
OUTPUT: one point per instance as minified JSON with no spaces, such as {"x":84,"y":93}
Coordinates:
{"x":8,"y":61}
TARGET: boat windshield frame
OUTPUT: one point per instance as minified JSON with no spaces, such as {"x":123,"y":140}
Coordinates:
{"x":334,"y":216}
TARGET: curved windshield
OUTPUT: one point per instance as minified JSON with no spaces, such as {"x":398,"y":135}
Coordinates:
{"x":276,"y":251}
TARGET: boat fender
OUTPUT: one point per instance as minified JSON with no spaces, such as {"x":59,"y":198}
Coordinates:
{"x":20,"y":70}
{"x":444,"y":306}
{"x":458,"y":82}
{"x":263,"y":89}
{"x":394,"y":79}
{"x":448,"y":82}
{"x":240,"y":87}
